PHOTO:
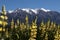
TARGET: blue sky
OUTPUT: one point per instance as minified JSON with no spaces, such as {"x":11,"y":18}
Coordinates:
{"x":47,"y":4}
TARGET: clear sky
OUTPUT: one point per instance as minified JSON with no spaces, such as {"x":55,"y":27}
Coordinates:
{"x":47,"y":4}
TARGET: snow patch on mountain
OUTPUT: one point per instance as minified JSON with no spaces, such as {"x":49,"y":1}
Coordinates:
{"x":46,"y":10}
{"x":10,"y":11}
{"x":34,"y":10}
{"x":27,"y":10}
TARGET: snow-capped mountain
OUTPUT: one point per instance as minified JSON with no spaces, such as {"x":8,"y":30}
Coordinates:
{"x":28,"y":10}
{"x":42,"y":14}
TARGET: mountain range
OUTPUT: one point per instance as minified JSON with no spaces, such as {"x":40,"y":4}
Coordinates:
{"x":42,"y":14}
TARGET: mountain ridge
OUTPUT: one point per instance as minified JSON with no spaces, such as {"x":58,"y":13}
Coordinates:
{"x":41,"y":14}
